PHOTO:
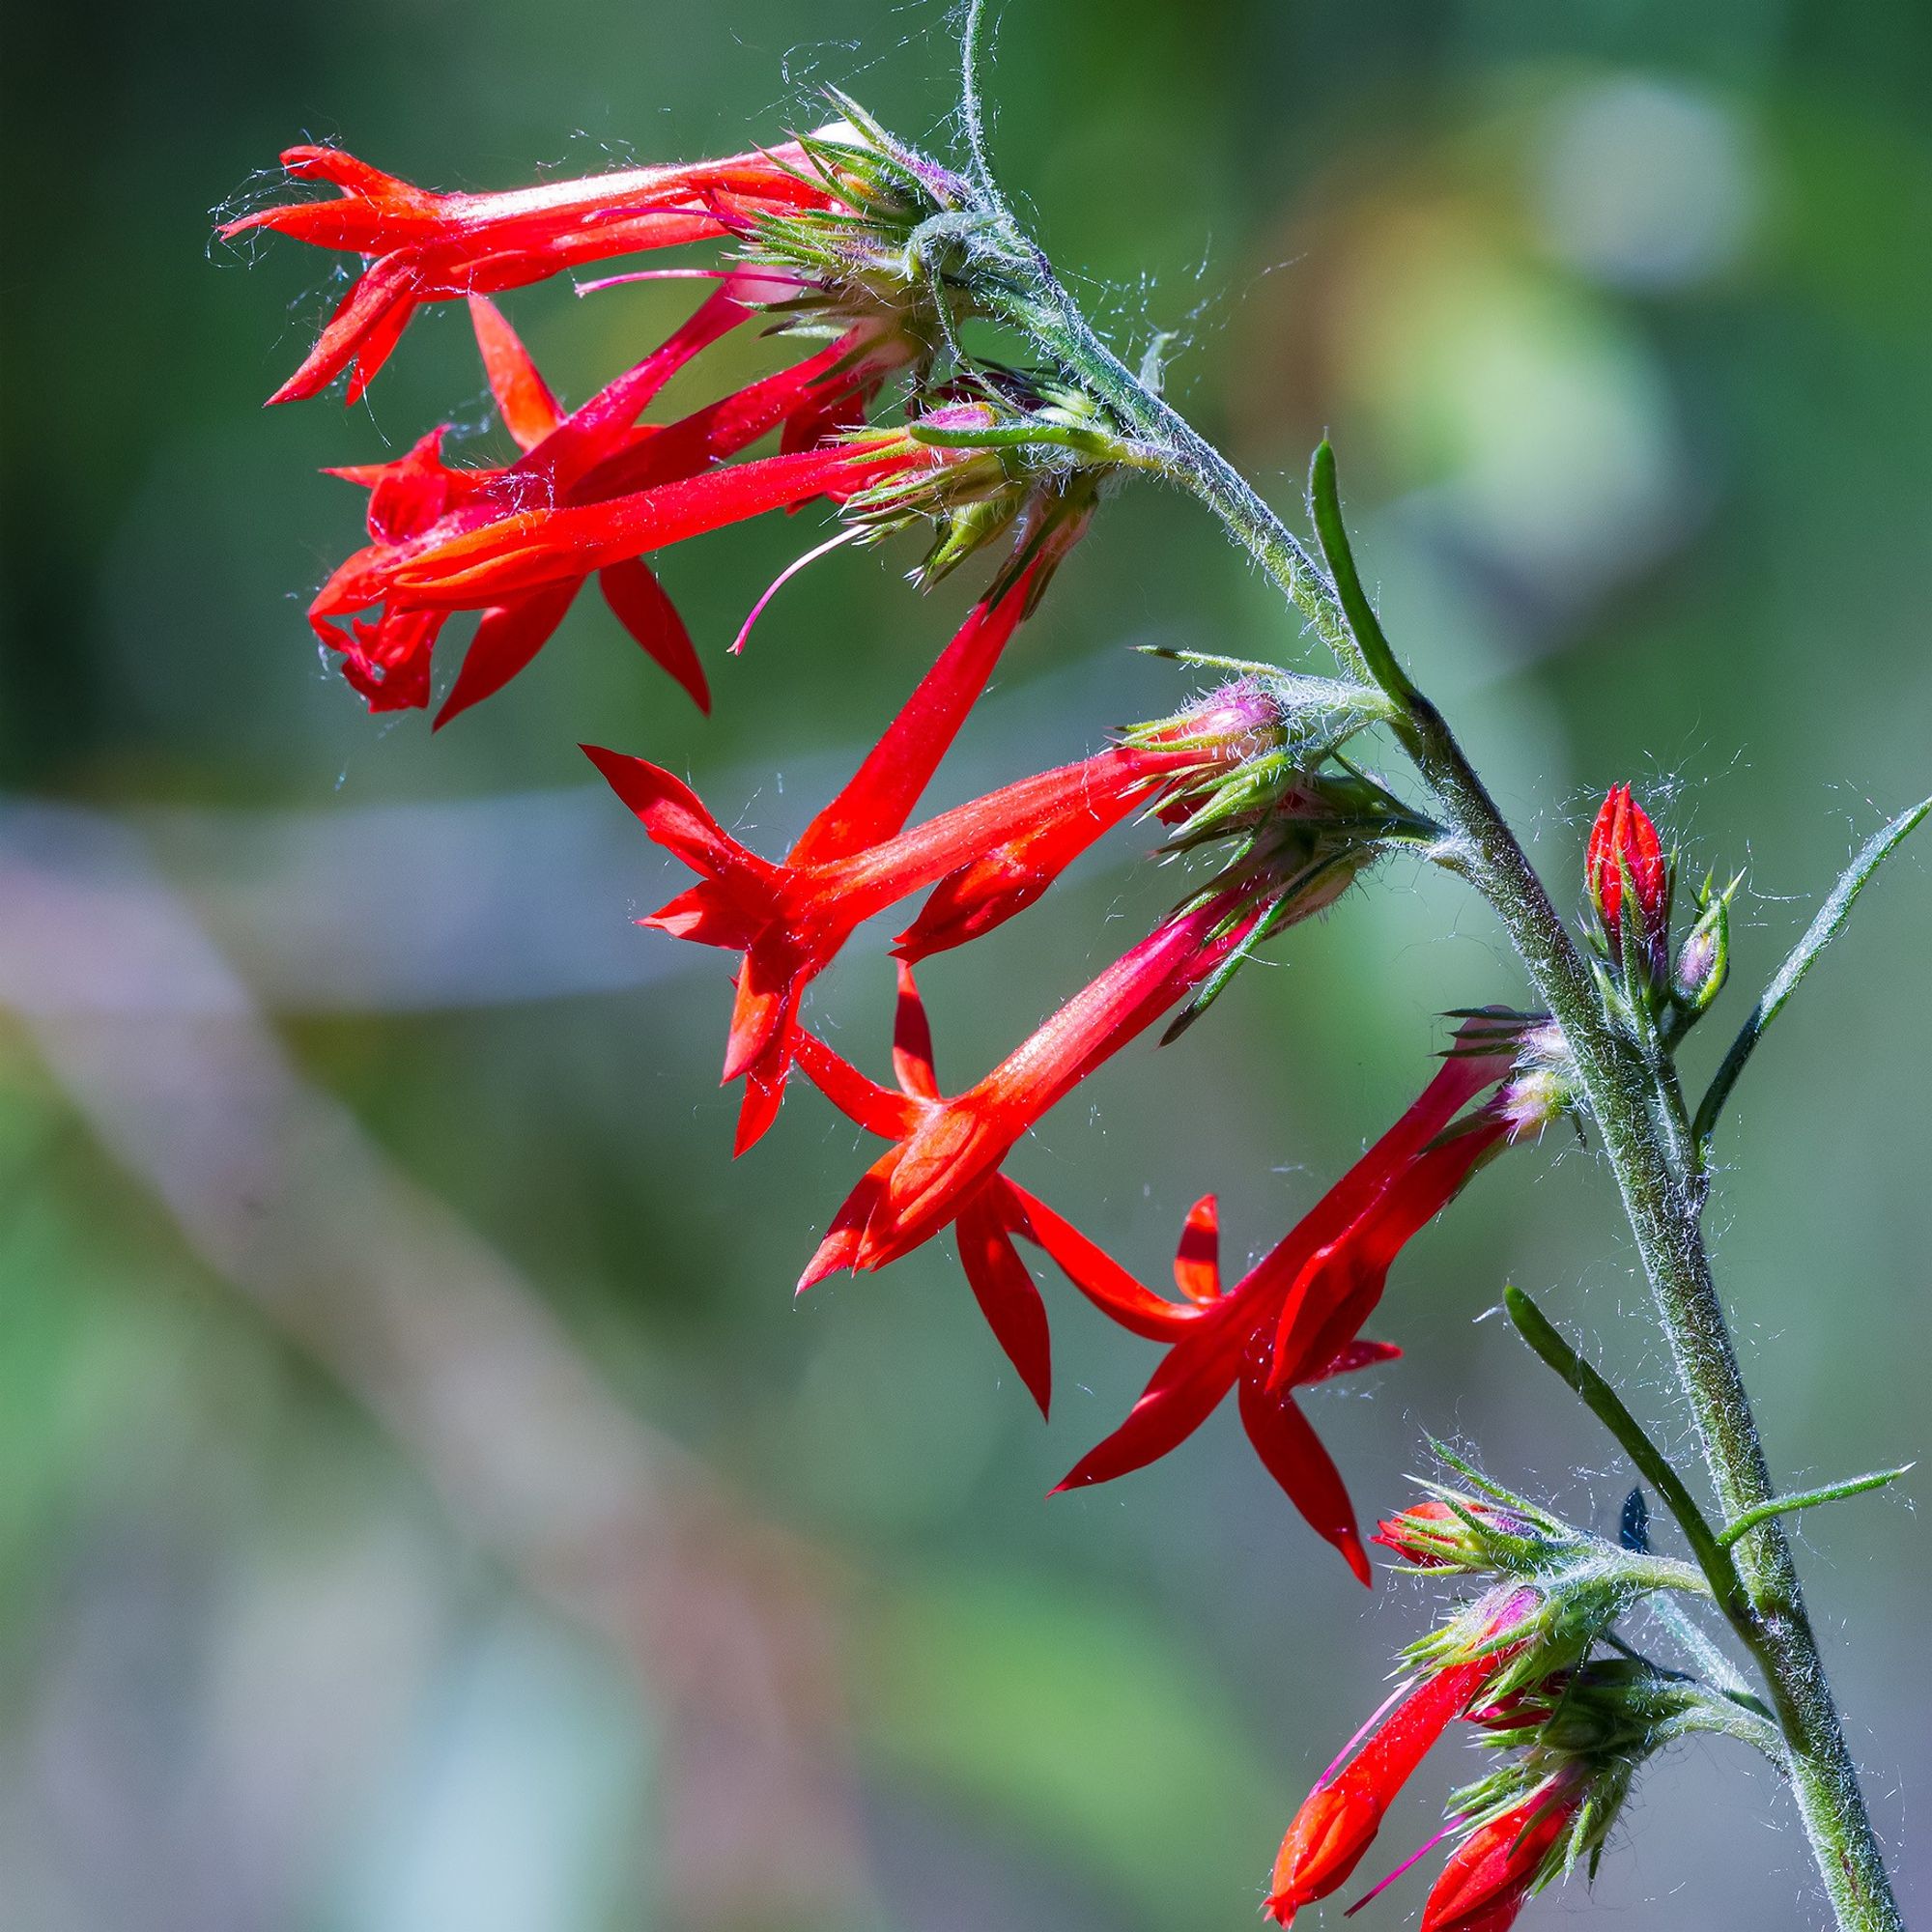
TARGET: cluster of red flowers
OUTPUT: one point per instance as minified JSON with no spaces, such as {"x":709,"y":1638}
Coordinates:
{"x":1513,"y":1665}
{"x":853,"y":243}
{"x":595,"y":489}
{"x":829,"y":237}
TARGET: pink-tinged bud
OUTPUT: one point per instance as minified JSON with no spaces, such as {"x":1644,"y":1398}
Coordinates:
{"x":1432,"y":1535}
{"x":1532,"y":1101}
{"x":1238,"y":723}
{"x":1704,"y":959}
{"x":1542,"y":1086}
{"x":1624,"y":844}
{"x":1494,"y":1869}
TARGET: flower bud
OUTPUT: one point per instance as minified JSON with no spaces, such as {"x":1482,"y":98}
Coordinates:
{"x":1543,"y":1084}
{"x":1624,"y":846}
{"x":1237,"y":722}
{"x":1704,"y":959}
{"x":1440,"y":1534}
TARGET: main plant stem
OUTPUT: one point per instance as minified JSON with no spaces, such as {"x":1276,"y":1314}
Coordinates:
{"x":1642,"y":1130}
{"x":1638,"y":1116}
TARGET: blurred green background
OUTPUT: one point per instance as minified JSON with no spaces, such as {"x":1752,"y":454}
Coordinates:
{"x":421,"y":1503}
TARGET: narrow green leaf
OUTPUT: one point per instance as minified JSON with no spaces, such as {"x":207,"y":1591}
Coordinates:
{"x":1325,"y":501}
{"x":1832,"y":1492}
{"x":1820,"y":932}
{"x":1651,"y":1462}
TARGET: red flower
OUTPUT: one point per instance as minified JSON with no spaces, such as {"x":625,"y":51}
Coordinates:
{"x":1493,"y":1870}
{"x":545,"y":544}
{"x":1624,"y":843}
{"x":920,"y":1184}
{"x":1295,"y":1317}
{"x":599,"y":459}
{"x":991,"y":1212}
{"x":422,"y":247}
{"x":791,"y":917}
{"x":1339,"y":1817}
{"x":1226,"y":732}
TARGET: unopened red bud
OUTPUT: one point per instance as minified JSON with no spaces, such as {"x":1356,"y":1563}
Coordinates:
{"x":1495,"y":1868}
{"x":1624,"y":844}
{"x":1432,"y":1535}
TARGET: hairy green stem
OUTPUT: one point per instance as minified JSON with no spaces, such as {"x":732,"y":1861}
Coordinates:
{"x":1654,"y":1162}
{"x":1640,"y":1120}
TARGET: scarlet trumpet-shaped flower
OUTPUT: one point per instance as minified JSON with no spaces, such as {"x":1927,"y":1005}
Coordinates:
{"x":1226,"y":734}
{"x":597,"y":464}
{"x":1339,"y":1817}
{"x":991,"y":1211}
{"x":422,"y":247}
{"x":555,"y":544}
{"x":790,"y":919}
{"x":1624,"y":844}
{"x":417,"y":500}
{"x":920,"y":1184}
{"x":1295,"y":1317}
{"x":1490,"y":1874}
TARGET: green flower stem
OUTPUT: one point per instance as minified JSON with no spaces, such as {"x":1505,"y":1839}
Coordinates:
{"x":1652,"y":1159}
{"x":1641,"y":1122}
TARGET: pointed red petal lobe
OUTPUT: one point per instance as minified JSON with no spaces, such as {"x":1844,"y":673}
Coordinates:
{"x":374,"y":349}
{"x":675,"y":818}
{"x":875,"y":1108}
{"x":640,"y":604}
{"x":765,"y":1085}
{"x":912,"y":1040}
{"x":761,"y":1015}
{"x":1197,"y":1262}
{"x":1172,"y":1406}
{"x":1007,"y":1295}
{"x":1292,"y":1453}
{"x":368,"y":311}
{"x":523,"y":399}
{"x":1354,"y":1356}
{"x":1095,"y":1273}
{"x":507,"y":637}
{"x":703,"y":916}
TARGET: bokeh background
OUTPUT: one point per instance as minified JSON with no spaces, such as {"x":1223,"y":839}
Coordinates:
{"x":422,"y":1506}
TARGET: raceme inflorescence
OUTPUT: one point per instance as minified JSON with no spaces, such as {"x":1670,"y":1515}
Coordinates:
{"x":875,"y":269}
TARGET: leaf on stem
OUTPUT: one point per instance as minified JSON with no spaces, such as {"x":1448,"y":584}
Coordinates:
{"x":1820,"y":932}
{"x":1605,"y":1402}
{"x":1832,"y":1492}
{"x":1325,"y":504}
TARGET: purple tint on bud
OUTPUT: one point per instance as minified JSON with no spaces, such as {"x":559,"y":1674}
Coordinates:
{"x":957,"y":416}
{"x":1703,"y":962}
{"x":1529,"y":1102}
{"x":1238,"y":722}
{"x":1542,"y":1086}
{"x":1233,"y":725}
{"x":1695,"y":959}
{"x":945,"y":188}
